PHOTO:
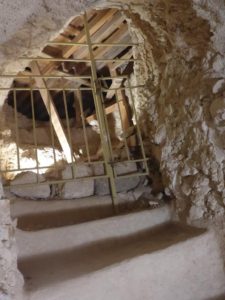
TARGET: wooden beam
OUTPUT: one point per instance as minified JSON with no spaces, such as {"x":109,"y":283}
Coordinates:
{"x":78,"y":80}
{"x":94,"y":25}
{"x":116,"y":83}
{"x":123,"y":105}
{"x":108,"y":110}
{"x":54,"y":118}
{"x":115,"y":38}
{"x":52,"y":51}
{"x":102,"y":34}
{"x":117,"y":64}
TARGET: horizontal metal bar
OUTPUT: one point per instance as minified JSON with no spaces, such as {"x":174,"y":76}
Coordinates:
{"x":92,"y":44}
{"x":46,"y":167}
{"x":122,"y":88}
{"x":49,"y":89}
{"x":67,"y":89}
{"x":15,"y":76}
{"x":131,"y":161}
{"x":77,"y":59}
{"x":132,"y":175}
{"x":54,"y":181}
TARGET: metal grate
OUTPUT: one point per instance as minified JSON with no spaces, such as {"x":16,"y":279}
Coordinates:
{"x":101,"y":91}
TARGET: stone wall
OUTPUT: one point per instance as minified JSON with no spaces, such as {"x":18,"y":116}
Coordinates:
{"x":10,"y":279}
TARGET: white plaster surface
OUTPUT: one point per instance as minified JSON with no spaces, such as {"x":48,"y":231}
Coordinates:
{"x":119,"y":258}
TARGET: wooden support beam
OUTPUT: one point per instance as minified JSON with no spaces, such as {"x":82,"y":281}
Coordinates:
{"x":115,"y":38}
{"x":54,"y":118}
{"x":52,"y":51}
{"x":101,"y":34}
{"x":116,"y":83}
{"x":117,"y":64}
{"x":94,"y":25}
{"x":108,"y":110}
{"x":123,"y":106}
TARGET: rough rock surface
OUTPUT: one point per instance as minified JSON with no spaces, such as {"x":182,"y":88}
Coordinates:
{"x":10,"y":279}
{"x":122,"y":185}
{"x":33,"y":192}
{"x":77,"y":188}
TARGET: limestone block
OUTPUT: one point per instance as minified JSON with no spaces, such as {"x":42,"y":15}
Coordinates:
{"x":78,"y":188}
{"x":33,"y":192}
{"x":122,"y":184}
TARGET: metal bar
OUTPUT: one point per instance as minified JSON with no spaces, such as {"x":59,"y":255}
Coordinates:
{"x":34,"y":131}
{"x":54,"y":181}
{"x":122,"y":125}
{"x":132,"y":175}
{"x":137,"y":124}
{"x":43,"y":88}
{"x":83,"y":124}
{"x":46,"y":167}
{"x":17,"y":129}
{"x":16,"y":76}
{"x":78,"y":60}
{"x":107,"y":128}
{"x":105,"y":44}
{"x":100,"y":116}
{"x":69,"y":133}
{"x":66,"y":89}
{"x":51,"y":130}
{"x":122,"y":88}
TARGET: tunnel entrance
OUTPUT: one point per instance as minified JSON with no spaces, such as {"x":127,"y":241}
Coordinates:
{"x":73,"y":107}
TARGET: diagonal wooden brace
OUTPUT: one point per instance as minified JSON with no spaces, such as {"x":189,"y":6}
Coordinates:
{"x":54,"y":117}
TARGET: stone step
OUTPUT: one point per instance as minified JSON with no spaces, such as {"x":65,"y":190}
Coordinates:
{"x":138,"y":256}
{"x":68,"y":237}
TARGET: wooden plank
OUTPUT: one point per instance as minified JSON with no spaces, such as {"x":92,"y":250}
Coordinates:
{"x":116,"y":83}
{"x":49,"y":104}
{"x":94,"y":25}
{"x":115,"y":38}
{"x":117,"y":64}
{"x":52,"y":51}
{"x":101,"y":34}
{"x":108,"y":110}
{"x":79,"y":81}
{"x":122,"y":105}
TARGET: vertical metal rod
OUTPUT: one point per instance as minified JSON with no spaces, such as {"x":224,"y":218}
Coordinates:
{"x":100,"y":116}
{"x":69,"y":133}
{"x":17,"y":129}
{"x":34,"y":131}
{"x":51,"y":130}
{"x":107,"y":130}
{"x":123,"y":129}
{"x":137,"y":124}
{"x":83,"y":124}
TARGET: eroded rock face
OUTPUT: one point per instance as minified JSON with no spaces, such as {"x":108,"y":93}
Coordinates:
{"x":10,"y":279}
{"x":182,"y":107}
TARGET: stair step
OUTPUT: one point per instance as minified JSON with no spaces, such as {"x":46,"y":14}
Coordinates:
{"x":47,"y":241}
{"x":170,"y":261}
